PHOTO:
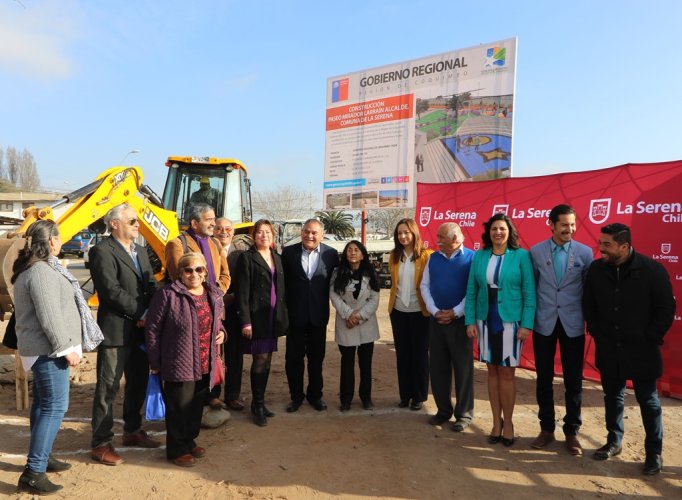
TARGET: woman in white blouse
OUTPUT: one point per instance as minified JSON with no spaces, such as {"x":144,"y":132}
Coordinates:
{"x":409,"y":317}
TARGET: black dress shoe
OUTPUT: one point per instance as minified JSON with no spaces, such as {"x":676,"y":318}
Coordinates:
{"x":37,"y":483}
{"x":318,"y":404}
{"x":653,"y":464}
{"x":259,"y":417}
{"x":344,"y":407}
{"x":404,"y":403}
{"x":368,"y":404}
{"x":460,"y":425}
{"x":437,"y":420}
{"x":54,"y":465}
{"x":267,"y":412}
{"x":293,"y":406}
{"x":416,"y":406}
{"x":607,"y":451}
{"x":494,"y":439}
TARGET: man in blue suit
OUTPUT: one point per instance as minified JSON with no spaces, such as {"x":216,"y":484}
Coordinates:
{"x":560,"y":264}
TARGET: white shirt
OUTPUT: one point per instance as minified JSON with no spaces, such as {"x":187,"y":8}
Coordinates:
{"x":406,"y":291}
{"x":309,"y":260}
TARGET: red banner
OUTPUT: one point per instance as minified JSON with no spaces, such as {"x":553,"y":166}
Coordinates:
{"x":393,"y":108}
{"x":647,"y":197}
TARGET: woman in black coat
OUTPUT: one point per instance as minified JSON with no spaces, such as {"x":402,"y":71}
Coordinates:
{"x":261,"y":310}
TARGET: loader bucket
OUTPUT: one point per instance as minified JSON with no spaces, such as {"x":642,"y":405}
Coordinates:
{"x":9,"y":250}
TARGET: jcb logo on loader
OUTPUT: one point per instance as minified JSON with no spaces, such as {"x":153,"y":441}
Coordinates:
{"x":120,"y":177}
{"x":154,"y":222}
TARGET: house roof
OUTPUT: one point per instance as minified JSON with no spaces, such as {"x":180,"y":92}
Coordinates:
{"x":29,"y":196}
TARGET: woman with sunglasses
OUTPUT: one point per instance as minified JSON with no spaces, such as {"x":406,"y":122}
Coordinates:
{"x":261,"y":310}
{"x":183,"y":331}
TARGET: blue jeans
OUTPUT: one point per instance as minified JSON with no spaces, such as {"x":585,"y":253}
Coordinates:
{"x":649,"y":406}
{"x":50,"y":402}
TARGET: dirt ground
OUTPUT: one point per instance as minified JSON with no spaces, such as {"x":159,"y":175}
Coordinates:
{"x":388,"y":452}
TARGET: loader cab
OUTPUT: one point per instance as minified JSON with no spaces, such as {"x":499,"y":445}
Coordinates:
{"x":221,"y":183}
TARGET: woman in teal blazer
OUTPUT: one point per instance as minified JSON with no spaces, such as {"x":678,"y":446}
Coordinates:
{"x":500,"y":311}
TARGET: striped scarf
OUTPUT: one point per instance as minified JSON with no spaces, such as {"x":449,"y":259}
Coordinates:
{"x":91,"y":334}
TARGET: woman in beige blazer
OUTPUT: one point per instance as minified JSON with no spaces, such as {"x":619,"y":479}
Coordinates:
{"x":354,"y":292}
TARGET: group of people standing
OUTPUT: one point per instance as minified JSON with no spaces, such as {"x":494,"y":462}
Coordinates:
{"x":440,"y":303}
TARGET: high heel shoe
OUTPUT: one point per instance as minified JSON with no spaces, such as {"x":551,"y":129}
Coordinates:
{"x":509,"y":441}
{"x":492,"y":439}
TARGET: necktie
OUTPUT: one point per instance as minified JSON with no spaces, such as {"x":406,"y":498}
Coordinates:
{"x":559,"y":261}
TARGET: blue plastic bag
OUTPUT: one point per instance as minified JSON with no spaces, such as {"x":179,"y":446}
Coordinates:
{"x":155,"y":406}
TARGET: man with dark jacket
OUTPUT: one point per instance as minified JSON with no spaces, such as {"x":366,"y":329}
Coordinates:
{"x":307,"y":271}
{"x":124,"y":281}
{"x":629,"y":306}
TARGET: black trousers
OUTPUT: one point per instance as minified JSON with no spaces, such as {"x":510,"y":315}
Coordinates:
{"x":234,"y":365}
{"x":184,"y":408}
{"x":572,"y":351}
{"x":411,"y":338}
{"x":112,"y":364}
{"x":451,"y":351}
{"x":309,"y":341}
{"x":347,"y":382}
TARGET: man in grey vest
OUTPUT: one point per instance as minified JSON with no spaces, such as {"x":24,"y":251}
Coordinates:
{"x":560,"y":265}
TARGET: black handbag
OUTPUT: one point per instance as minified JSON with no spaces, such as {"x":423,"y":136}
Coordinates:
{"x":10,"y":338}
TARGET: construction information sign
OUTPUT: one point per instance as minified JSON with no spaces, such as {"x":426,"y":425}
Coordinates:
{"x":443,"y":118}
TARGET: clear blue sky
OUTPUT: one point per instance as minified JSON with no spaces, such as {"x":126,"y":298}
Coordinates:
{"x":84,"y":82}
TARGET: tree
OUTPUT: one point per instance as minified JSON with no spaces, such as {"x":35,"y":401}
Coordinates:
{"x":421,"y":106}
{"x":337,"y":222}
{"x":284,"y":203}
{"x":456,"y":102}
{"x":19,"y":168}
{"x":12,"y":164}
{"x":3,"y":170}
{"x":386,"y":219}
{"x":28,"y":174}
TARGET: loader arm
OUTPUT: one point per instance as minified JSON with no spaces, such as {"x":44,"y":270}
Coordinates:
{"x":86,"y":206}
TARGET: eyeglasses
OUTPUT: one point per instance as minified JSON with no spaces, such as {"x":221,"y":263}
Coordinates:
{"x":132,"y":222}
{"x":191,"y":270}
{"x":226,"y":229}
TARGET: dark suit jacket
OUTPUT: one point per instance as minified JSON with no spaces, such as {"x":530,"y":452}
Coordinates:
{"x":308,"y":299}
{"x":628,"y":313}
{"x":253,"y":285}
{"x":123,"y":294}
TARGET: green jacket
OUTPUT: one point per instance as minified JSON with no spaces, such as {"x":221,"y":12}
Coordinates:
{"x":516,"y":294}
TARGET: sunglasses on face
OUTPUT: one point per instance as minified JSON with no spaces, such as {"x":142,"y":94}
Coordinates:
{"x":132,"y":222}
{"x":191,"y":270}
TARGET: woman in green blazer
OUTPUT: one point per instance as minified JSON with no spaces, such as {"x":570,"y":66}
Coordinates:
{"x":500,"y":311}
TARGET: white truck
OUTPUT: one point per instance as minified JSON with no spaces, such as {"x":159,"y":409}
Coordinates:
{"x":378,"y":249}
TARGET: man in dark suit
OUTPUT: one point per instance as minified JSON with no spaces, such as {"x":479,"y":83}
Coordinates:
{"x":307,"y":271}
{"x":629,"y":306}
{"x":124,"y":280}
